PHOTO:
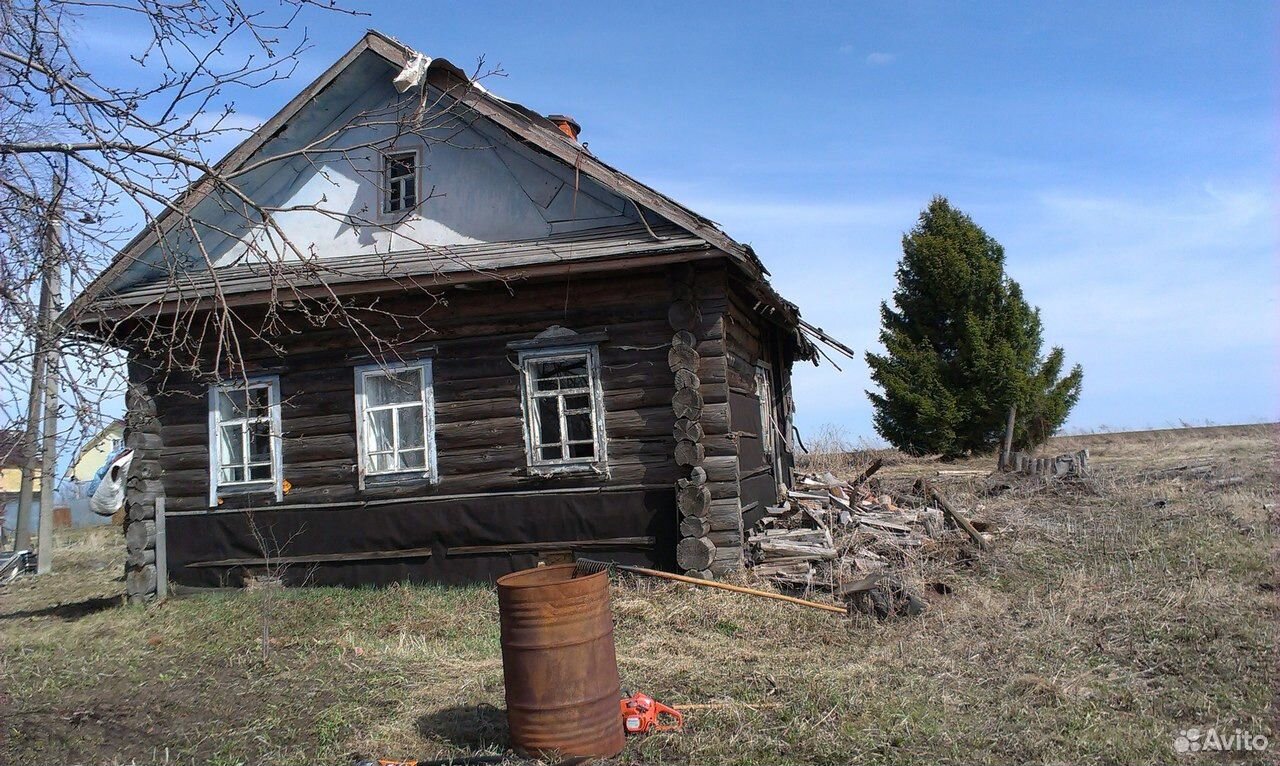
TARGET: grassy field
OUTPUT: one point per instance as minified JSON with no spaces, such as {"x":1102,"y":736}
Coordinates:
{"x":1107,"y":617}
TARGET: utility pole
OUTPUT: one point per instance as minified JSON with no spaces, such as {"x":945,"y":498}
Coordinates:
{"x":31,"y":435}
{"x":35,"y":400}
{"x":52,"y":281}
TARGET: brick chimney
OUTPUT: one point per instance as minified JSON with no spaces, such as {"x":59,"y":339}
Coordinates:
{"x":566,"y":124}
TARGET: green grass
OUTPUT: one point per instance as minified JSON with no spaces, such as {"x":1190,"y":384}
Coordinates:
{"x":1099,"y":625}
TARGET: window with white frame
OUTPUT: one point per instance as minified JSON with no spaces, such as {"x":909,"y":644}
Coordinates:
{"x":768,"y":428}
{"x":395,"y":409}
{"x":563,"y":407}
{"x":244,"y":437}
{"x":400,"y":171}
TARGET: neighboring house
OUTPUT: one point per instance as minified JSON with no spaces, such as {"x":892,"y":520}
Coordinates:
{"x":12,"y":459}
{"x":93,"y":455}
{"x":596,"y":355}
{"x":84,"y":469}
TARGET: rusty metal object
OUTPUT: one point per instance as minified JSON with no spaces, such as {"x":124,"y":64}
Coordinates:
{"x":559,"y":663}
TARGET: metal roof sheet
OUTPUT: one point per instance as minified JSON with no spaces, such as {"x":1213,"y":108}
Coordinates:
{"x":412,"y":266}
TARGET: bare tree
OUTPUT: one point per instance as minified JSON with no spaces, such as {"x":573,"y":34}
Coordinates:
{"x":127,"y":146}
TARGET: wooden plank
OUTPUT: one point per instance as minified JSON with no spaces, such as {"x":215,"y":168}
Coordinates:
{"x":427,"y":499}
{"x":957,"y":517}
{"x":555,"y":545}
{"x":317,"y":558}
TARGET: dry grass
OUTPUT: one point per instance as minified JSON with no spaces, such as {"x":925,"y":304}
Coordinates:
{"x":1108,"y":616}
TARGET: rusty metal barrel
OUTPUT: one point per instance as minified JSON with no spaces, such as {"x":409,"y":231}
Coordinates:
{"x":559,"y":663}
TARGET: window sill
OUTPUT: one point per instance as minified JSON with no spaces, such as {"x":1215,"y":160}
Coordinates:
{"x":377,"y":481}
{"x":245,"y":489}
{"x":399,"y":216}
{"x":567,"y":471}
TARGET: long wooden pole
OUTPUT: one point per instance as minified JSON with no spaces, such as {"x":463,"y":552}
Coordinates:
{"x":52,"y":278}
{"x":1007,"y":451}
{"x":735,"y":588}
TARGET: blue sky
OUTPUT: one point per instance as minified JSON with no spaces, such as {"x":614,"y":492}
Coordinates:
{"x":1123,"y":154}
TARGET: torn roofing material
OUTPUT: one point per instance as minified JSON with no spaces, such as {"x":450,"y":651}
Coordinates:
{"x":529,"y":127}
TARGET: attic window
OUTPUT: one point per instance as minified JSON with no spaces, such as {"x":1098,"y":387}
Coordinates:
{"x":401,"y":171}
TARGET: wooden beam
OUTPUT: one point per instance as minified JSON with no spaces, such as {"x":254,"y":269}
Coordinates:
{"x":554,"y":545}
{"x":317,"y":558}
{"x":957,"y":517}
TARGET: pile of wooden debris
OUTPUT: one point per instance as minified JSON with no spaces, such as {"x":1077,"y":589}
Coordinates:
{"x":848,"y":536}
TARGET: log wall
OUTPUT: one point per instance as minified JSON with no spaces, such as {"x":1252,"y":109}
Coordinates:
{"x":143,"y":487}
{"x":479,"y":431}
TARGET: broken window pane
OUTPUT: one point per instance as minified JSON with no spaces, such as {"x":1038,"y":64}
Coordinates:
{"x":548,"y":420}
{"x":561,"y":374}
{"x":577,"y":403}
{"x":260,"y":472}
{"x":260,"y":442}
{"x":400,"y":165}
{"x":582,"y":450}
{"x":579,"y":427}
{"x":551,"y":453}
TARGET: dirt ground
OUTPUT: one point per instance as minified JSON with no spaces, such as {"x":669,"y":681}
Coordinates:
{"x":1108,"y":617}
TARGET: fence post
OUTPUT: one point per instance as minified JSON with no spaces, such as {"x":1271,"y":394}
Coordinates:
{"x":162,"y":552}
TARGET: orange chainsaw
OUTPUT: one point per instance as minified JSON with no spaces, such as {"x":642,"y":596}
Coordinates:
{"x":642,"y":714}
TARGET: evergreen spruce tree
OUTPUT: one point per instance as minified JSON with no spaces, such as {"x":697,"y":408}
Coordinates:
{"x":962,"y":346}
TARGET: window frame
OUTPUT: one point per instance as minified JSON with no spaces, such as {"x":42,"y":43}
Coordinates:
{"x":275,"y":483}
{"x":428,"y":403}
{"x":384,"y":182}
{"x":769,"y":431}
{"x":598,"y":463}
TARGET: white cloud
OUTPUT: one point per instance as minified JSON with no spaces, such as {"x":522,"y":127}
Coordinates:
{"x":879,"y":58}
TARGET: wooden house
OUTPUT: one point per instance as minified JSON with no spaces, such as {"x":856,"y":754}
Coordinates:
{"x":595,"y":368}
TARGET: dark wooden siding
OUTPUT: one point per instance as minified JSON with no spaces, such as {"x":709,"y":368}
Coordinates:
{"x":479,"y":436}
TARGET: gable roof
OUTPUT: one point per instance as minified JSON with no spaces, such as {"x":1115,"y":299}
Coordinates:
{"x":688,"y":231}
{"x":531,"y":128}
